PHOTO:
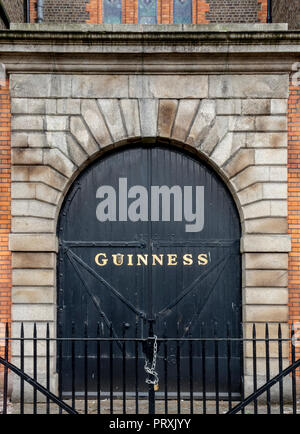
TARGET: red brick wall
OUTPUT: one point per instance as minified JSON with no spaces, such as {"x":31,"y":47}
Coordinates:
{"x":204,"y":11}
{"x":294,"y":202}
{"x":5,"y":202}
{"x":263,"y":11}
{"x":32,"y":10}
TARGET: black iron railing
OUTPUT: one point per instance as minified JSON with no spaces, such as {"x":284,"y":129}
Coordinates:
{"x":256,"y":372}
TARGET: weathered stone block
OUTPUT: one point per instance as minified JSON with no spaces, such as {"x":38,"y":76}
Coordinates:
{"x":166,"y":115}
{"x":241,"y":123}
{"x":184,"y":117}
{"x":271,"y":156}
{"x":56,"y":159}
{"x":266,"y":296}
{"x":68,"y":106}
{"x":229,"y":106}
{"x":100,"y":86}
{"x":251,"y":194}
{"x":32,"y":224}
{"x":279,"y":208}
{"x":267,"y":140}
{"x":130,"y":111}
{"x":250,"y":176}
{"x":257,"y":209}
{"x":27,"y":156}
{"x":248,"y":86}
{"x":33,"y":295}
{"x":26,"y":122}
{"x":40,"y":85}
{"x":256,"y":106}
{"x":279,"y":106}
{"x":267,"y":261}
{"x":110,"y":109}
{"x":33,"y":243}
{"x":148,"y":109}
{"x":268,"y":278}
{"x":47,"y":175}
{"x":168,"y":86}
{"x":271,"y":123}
{"x":96,"y":124}
{"x":33,"y":260}
{"x":215,"y":134}
{"x":33,"y":208}
{"x":32,"y":277}
{"x":267,"y":226}
{"x":278,"y":174}
{"x":23,"y":190}
{"x":33,"y":312}
{"x":56,"y":123}
{"x":266,"y":313}
{"x":202,"y":122}
{"x":241,"y":160}
{"x":266,"y":243}
{"x":275,"y":190}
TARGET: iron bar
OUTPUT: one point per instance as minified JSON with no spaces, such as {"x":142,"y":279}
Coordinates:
{"x":280,"y":369}
{"x":267,"y":345}
{"x":254,"y":366}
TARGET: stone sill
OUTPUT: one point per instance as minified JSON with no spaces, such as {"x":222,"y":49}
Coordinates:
{"x":136,"y":28}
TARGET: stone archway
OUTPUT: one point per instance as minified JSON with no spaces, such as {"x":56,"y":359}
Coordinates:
{"x":49,"y":150}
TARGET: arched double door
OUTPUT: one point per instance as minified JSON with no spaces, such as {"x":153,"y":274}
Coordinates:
{"x":148,"y":242}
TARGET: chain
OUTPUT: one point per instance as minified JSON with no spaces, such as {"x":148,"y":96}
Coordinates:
{"x":150,"y":370}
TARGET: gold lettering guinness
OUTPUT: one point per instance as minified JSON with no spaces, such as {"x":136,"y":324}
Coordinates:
{"x":139,"y":260}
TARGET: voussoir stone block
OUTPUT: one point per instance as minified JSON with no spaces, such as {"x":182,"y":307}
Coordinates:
{"x":130,"y":111}
{"x":82,"y":135}
{"x":94,"y":119}
{"x":248,"y":86}
{"x":266,"y":243}
{"x":44,"y":174}
{"x":251,"y":175}
{"x":166,"y":115}
{"x":56,"y":159}
{"x":203,"y":121}
{"x":215,"y":134}
{"x":33,"y":208}
{"x":241,"y":160}
{"x":148,"y":109}
{"x":266,"y":226}
{"x":32,"y":224}
{"x":33,"y":243}
{"x":184,"y":117}
{"x":257,"y":209}
{"x":110,"y":109}
{"x":250,"y":194}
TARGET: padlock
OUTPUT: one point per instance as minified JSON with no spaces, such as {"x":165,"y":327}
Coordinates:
{"x":156,"y":387}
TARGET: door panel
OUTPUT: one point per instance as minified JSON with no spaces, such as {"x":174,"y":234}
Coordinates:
{"x":176,"y":293}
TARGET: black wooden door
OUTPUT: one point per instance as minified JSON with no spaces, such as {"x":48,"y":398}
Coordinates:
{"x":125,"y":263}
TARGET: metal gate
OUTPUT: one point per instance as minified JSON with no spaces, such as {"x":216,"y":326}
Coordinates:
{"x":149,"y":245}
